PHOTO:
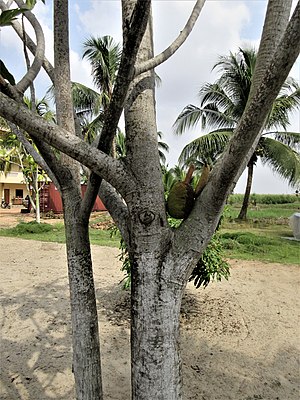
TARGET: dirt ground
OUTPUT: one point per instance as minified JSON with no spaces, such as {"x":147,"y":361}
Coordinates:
{"x":239,"y":339}
{"x":11,"y":217}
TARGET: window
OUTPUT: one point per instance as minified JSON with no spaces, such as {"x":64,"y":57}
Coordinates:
{"x":19,"y":193}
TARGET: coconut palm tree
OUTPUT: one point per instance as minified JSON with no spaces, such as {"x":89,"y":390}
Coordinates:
{"x":90,"y":105}
{"x":121,"y":146}
{"x":104,"y":56}
{"x":222,"y":104}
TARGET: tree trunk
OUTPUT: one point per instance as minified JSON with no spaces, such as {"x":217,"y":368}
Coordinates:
{"x":37,"y":198}
{"x":243,"y":213}
{"x":85,"y":333}
{"x":156,"y":363}
{"x":156,"y":299}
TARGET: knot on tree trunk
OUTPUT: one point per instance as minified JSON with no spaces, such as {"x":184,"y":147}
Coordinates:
{"x":146,"y":217}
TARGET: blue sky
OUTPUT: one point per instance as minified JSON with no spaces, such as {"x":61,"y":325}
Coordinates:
{"x":223,"y":26}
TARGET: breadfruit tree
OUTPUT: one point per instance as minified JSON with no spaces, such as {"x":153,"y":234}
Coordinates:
{"x":161,"y":258}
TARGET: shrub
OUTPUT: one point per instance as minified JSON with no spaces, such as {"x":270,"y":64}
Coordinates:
{"x":263,"y":198}
{"x":31,"y":227}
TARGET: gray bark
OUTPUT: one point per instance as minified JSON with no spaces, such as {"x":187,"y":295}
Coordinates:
{"x":277,"y":17}
{"x":85,"y":333}
{"x":155,"y":300}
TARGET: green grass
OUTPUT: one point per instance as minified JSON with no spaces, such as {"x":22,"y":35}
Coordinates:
{"x":261,"y":237}
{"x":264,"y":211}
{"x":263,"y":246}
{"x":56,"y":233}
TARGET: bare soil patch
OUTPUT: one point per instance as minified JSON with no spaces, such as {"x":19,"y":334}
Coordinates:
{"x":239,"y":339}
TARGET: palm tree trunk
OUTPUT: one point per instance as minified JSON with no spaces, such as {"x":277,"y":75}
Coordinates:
{"x":243,"y":213}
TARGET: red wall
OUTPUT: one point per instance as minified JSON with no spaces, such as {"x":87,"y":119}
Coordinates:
{"x":50,"y":199}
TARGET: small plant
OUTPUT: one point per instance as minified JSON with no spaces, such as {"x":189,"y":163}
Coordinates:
{"x":211,"y":265}
{"x":31,"y":227}
{"x":123,"y":257}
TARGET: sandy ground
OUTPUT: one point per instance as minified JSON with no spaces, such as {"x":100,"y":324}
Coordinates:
{"x":239,"y":339}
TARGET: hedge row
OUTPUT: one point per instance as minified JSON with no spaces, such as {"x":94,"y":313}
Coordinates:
{"x":264,"y":198}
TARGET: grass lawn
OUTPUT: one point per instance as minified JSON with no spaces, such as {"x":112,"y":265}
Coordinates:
{"x":262,"y":237}
{"x":56,"y":233}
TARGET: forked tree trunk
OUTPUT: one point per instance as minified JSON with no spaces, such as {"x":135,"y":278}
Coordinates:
{"x":156,"y":299}
{"x":85,"y":333}
{"x":243,"y":212}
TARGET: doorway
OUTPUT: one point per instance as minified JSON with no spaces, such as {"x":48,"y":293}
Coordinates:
{"x":7,"y":196}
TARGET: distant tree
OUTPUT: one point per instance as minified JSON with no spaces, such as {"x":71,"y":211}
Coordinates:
{"x":14,"y":152}
{"x":222,"y":104}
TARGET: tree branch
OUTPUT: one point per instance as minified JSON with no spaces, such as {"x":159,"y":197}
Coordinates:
{"x":29,"y":42}
{"x":276,"y":20}
{"x":169,"y":51}
{"x":34,"y":69}
{"x":208,"y":207}
{"x":136,"y":31}
{"x":116,"y":208}
{"x":31,"y":150}
{"x":110,"y":169}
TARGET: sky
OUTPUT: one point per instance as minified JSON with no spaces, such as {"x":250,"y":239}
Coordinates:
{"x":223,"y":26}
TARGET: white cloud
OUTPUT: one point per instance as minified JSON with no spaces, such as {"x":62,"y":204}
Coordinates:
{"x":101,"y":18}
{"x":80,"y":69}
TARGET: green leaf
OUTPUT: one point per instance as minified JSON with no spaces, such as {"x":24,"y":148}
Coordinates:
{"x":8,"y":16}
{"x":6,"y":74}
{"x":30,"y":4}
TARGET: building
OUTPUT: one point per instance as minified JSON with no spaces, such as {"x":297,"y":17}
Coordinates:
{"x":12,"y":187}
{"x":50,"y":200}
{"x":13,"y":190}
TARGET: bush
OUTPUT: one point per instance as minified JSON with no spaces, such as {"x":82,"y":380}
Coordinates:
{"x":247,"y":241}
{"x":263,"y":198}
{"x":31,"y":227}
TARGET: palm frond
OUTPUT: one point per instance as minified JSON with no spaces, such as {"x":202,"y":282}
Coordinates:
{"x":282,"y":159}
{"x":206,"y":148}
{"x":188,"y":118}
{"x":86,"y":100}
{"x":291,"y":139}
{"x":120,"y":144}
{"x":105,"y":56}
{"x":287,"y":102}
